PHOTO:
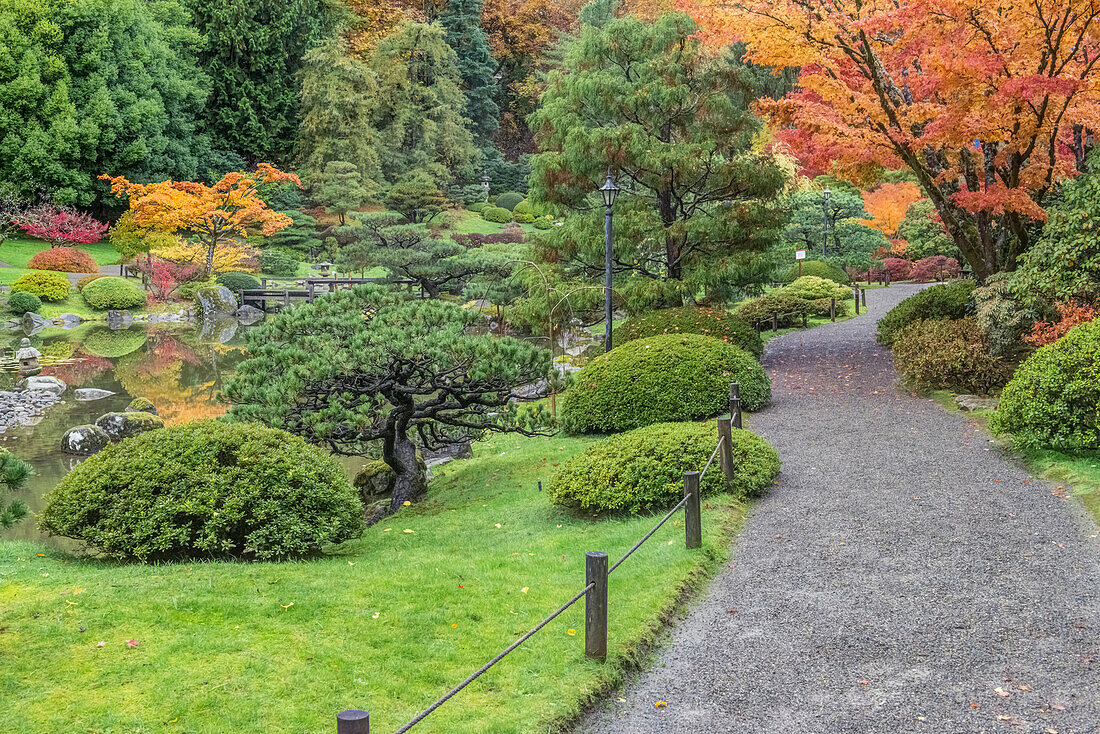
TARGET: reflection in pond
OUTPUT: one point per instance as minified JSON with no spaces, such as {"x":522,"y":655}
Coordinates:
{"x":181,"y":368}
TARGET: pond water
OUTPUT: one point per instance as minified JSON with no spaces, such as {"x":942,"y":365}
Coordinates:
{"x":180,"y":367}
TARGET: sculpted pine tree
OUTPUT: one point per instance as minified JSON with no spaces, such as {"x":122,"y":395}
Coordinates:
{"x":13,"y":473}
{"x":359,"y":368}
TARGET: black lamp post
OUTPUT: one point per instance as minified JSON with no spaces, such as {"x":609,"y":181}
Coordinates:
{"x":608,"y":190}
{"x":825,"y":222}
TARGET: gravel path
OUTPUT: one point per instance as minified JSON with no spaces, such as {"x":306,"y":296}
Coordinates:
{"x":903,"y":576}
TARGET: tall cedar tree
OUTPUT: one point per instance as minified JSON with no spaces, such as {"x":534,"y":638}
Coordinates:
{"x":419,"y":119}
{"x":990,"y":105}
{"x":359,"y":367}
{"x":462,"y":22}
{"x":673,"y":126}
{"x":339,"y":102}
{"x":94,"y":85}
{"x":253,"y":53}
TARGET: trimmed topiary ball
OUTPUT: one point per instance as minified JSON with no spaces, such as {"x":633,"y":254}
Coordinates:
{"x":65,"y":260}
{"x":812,"y":288}
{"x":113,"y":293}
{"x":716,"y":322}
{"x":642,"y":470}
{"x":47,"y":285}
{"x":820,"y":268}
{"x":951,"y":301}
{"x":659,"y":379}
{"x":496,"y":214}
{"x":508,"y":200}
{"x":206,"y":489}
{"x":1053,"y":400}
{"x":21,"y":303}
{"x":88,"y":279}
{"x":238,"y":282}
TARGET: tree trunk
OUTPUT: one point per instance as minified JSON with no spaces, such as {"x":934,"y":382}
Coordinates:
{"x":399,"y":453}
{"x":210,"y":247}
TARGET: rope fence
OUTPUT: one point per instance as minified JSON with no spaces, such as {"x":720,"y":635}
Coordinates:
{"x":597,"y":573}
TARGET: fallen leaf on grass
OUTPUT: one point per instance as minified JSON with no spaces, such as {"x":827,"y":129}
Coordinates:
{"x":101,"y":643}
{"x":406,"y":530}
{"x":132,"y":643}
{"x":864,"y":683}
{"x":571,"y":632}
{"x":376,"y":615}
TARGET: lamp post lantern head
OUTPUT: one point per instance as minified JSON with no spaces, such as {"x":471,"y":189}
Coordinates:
{"x":827,"y":193}
{"x":609,"y":190}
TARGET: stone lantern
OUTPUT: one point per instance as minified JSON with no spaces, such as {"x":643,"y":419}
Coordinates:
{"x":27,"y":356}
{"x":325,"y":268}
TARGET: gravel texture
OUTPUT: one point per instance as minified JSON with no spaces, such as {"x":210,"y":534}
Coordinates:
{"x":903,"y":576}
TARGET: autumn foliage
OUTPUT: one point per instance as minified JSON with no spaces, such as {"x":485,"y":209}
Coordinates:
{"x":61,"y":226}
{"x":887,"y":205}
{"x":936,"y":267}
{"x":1070,"y":315}
{"x":210,"y":216}
{"x":65,"y":260}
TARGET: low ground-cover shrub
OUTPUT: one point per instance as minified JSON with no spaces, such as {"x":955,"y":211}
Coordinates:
{"x":822,"y":306}
{"x":21,"y":303}
{"x":715,"y":322}
{"x":48,"y":286}
{"x":660,"y":379}
{"x":642,"y":470}
{"x":811,"y":288}
{"x":206,"y":489}
{"x":477,"y":206}
{"x":113,"y":293}
{"x":947,"y":354}
{"x":496,"y":214}
{"x":238,"y":282}
{"x":789,"y":308}
{"x":951,"y":301}
{"x":936,"y":267}
{"x":88,"y":279}
{"x":820,"y":268}
{"x":508,"y":236}
{"x":65,"y":260}
{"x":1053,"y":400}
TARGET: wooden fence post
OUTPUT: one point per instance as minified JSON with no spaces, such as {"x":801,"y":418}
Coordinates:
{"x":832,"y":308}
{"x":855,"y":295}
{"x":863,"y":295}
{"x":595,"y":606}
{"x":725,"y":435}
{"x":353,"y":722}
{"x":775,"y":322}
{"x":735,"y":404}
{"x":693,"y":522}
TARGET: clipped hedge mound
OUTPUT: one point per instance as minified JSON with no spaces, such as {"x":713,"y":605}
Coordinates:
{"x":238,"y":282}
{"x":113,"y":293}
{"x":88,"y":279}
{"x":789,"y":308}
{"x":945,"y":354}
{"x":206,"y":489}
{"x":508,"y":200}
{"x":496,"y":214}
{"x":820,"y":268}
{"x":21,"y":303}
{"x":813,"y":288}
{"x":714,"y":322}
{"x":951,"y":301}
{"x":274,"y":262}
{"x":675,"y":377}
{"x":65,"y":260}
{"x":1053,"y":400}
{"x":642,"y":470}
{"x":48,"y":286}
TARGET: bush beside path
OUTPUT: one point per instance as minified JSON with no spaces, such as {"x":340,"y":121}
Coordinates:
{"x":904,"y":574}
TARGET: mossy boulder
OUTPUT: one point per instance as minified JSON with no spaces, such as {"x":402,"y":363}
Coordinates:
{"x":84,"y":440}
{"x":130,"y":423}
{"x":141,"y":405}
{"x":216,"y":301}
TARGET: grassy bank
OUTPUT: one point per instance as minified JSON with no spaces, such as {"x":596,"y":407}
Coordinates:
{"x":18,"y":251}
{"x":387,"y":623}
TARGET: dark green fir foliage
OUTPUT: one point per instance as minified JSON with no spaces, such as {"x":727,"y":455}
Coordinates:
{"x":96,"y":85}
{"x":671,"y":122}
{"x":361,"y":367}
{"x":13,"y":473}
{"x":340,"y":188}
{"x":410,"y":252}
{"x":417,"y":198}
{"x":849,"y":242}
{"x":419,"y":119}
{"x":339,"y":102}
{"x":253,"y":53}
{"x":462,"y":22}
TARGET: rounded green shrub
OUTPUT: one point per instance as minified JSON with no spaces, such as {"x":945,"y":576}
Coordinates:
{"x":88,"y":279}
{"x":496,"y":214}
{"x":544,"y":222}
{"x":238,"y":282}
{"x":477,"y":206}
{"x":951,"y":301}
{"x":21,"y":303}
{"x":675,"y":377}
{"x":277,"y":262}
{"x":643,"y":470}
{"x":820,"y":268}
{"x":947,"y":354}
{"x":508,"y":200}
{"x":46,"y":284}
{"x":524,"y":212}
{"x":113,"y":293}
{"x":111,"y":343}
{"x":206,"y":489}
{"x":716,"y":322}
{"x":1053,"y":400}
{"x":813,"y":288}
{"x":788,"y":308}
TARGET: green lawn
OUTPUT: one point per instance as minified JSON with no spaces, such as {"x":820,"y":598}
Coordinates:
{"x":471,"y":223}
{"x":386,"y":623}
{"x":18,"y":251}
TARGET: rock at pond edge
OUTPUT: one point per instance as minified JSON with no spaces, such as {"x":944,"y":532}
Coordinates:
{"x":84,"y":440}
{"x":123,"y":425}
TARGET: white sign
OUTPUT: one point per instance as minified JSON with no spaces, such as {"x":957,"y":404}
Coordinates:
{"x":800,"y":255}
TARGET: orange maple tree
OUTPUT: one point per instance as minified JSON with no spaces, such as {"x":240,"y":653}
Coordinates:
{"x":211,"y":215}
{"x":989,"y":103}
{"x":887,"y":205}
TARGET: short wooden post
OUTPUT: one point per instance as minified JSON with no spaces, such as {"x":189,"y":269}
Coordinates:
{"x":887,"y":279}
{"x":725,"y":454}
{"x":832,"y":308}
{"x":863,"y":296}
{"x":286,"y":298}
{"x":775,"y":322}
{"x":803,"y":319}
{"x":595,"y":606}
{"x":353,"y":722}
{"x":869,"y":276}
{"x":735,"y":404}
{"x":855,"y":295}
{"x":693,"y":522}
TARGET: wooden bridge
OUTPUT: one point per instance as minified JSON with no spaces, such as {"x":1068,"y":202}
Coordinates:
{"x":280,"y":293}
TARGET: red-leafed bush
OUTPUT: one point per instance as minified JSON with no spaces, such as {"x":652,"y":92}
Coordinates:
{"x":61,"y":225}
{"x":165,"y":276}
{"x":936,"y":267}
{"x":65,"y":260}
{"x":1048,"y":332}
{"x":899,"y":268}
